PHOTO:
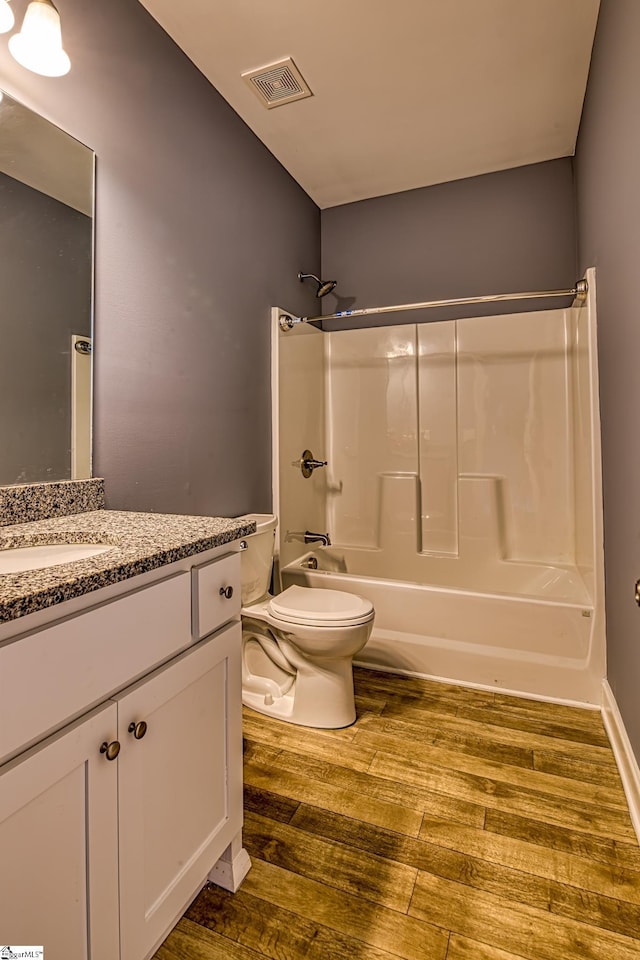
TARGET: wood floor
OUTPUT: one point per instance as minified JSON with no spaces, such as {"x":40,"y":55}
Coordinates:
{"x":446,"y":824}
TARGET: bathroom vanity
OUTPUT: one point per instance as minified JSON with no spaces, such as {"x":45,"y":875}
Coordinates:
{"x":120,"y":731}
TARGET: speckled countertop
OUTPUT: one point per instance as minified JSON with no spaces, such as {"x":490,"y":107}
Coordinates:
{"x":140,"y":542}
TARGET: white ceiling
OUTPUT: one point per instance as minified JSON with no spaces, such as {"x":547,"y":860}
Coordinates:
{"x":406,"y":93}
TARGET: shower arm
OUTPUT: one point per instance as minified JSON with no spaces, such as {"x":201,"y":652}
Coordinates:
{"x":580,"y":291}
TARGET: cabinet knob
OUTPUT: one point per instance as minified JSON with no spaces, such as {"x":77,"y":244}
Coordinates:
{"x":111,"y":750}
{"x":138,"y":729}
{"x":226,"y":592}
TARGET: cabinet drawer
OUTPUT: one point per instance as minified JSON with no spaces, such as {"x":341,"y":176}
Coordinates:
{"x":216,"y":594}
{"x":52,"y":675}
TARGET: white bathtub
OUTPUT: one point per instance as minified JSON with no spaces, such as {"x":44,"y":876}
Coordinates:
{"x":542,"y":646}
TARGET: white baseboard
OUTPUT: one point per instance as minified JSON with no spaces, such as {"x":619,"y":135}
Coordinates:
{"x":623,"y":752}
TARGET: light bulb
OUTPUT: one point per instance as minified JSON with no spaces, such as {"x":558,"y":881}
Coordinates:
{"x":38,"y":46}
{"x":7,"y":18}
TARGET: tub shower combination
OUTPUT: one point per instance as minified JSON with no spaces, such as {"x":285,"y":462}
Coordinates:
{"x":461,"y":493}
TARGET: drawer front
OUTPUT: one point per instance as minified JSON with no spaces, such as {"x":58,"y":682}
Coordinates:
{"x":52,"y":675}
{"x":216,"y":594}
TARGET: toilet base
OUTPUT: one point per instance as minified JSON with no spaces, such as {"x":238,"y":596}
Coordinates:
{"x":280,"y":707}
{"x":321,"y":698}
{"x":300,"y":673}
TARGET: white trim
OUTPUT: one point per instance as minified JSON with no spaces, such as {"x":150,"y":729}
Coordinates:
{"x":80,"y":410}
{"x":275,"y":410}
{"x":598,"y":634}
{"x":623,"y":753}
{"x":275,"y":438}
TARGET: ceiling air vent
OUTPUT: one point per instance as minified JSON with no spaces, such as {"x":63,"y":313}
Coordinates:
{"x":277,"y":83}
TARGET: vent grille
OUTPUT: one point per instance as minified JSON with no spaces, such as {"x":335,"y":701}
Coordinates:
{"x":277,"y":83}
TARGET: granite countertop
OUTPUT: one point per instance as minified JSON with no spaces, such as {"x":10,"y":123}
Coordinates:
{"x":140,"y":542}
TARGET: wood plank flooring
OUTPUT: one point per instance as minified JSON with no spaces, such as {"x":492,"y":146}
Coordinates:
{"x":446,"y":824}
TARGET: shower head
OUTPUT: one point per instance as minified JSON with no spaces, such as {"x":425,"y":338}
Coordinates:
{"x":324,"y":286}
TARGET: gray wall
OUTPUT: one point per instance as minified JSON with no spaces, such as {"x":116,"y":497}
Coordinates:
{"x":502,"y":232}
{"x":45,"y":279}
{"x":608,"y":192}
{"x":199,"y":231}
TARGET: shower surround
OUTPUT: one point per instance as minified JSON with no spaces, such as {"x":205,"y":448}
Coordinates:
{"x":462,"y":493}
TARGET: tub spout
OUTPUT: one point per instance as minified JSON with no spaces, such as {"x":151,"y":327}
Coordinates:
{"x":308,"y":537}
{"x":322,"y":538}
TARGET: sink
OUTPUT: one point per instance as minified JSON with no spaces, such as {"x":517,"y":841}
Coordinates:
{"x":21,"y":559}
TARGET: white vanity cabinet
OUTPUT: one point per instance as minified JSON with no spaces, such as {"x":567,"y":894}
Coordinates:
{"x":109,"y":826}
{"x":58,"y":821}
{"x":178,"y":809}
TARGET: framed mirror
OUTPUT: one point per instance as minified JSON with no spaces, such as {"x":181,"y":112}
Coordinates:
{"x":46,"y":291}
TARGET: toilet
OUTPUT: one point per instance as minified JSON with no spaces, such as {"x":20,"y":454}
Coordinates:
{"x":297,"y":647}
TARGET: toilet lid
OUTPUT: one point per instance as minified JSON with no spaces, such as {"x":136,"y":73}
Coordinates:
{"x":311,"y":604}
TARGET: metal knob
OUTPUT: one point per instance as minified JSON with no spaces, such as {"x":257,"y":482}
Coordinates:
{"x":137,"y":729}
{"x":243,"y":545}
{"x":308,"y":463}
{"x":226,"y":592}
{"x":111,"y":750}
{"x":637,"y":593}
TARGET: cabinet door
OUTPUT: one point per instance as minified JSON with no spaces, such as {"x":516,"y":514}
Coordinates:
{"x":180,"y":785}
{"x":58,"y":821}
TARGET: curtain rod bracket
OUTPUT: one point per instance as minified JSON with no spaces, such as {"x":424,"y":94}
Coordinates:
{"x":582,"y":291}
{"x":287,"y":322}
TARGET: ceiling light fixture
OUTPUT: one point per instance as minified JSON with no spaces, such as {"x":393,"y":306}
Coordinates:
{"x":7,"y":18}
{"x":38,"y":46}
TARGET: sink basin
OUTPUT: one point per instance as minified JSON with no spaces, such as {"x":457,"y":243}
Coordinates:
{"x":21,"y":559}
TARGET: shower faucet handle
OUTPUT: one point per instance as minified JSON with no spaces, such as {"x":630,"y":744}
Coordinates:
{"x":308,"y":463}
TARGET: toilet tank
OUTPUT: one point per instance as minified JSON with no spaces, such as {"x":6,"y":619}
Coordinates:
{"x":256,"y":561}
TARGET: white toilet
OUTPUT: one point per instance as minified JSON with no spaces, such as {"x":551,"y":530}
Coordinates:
{"x":298,"y":647}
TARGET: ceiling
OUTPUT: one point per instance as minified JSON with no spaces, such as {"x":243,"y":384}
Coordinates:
{"x":406,"y":94}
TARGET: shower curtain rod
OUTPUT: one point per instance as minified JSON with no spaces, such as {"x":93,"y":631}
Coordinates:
{"x":580,"y":291}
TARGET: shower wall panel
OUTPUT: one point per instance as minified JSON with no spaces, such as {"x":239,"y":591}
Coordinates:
{"x":437,"y":398}
{"x":514,"y":428}
{"x":455,"y":439}
{"x":583,"y":446}
{"x":301,"y":502}
{"x":373,"y":424}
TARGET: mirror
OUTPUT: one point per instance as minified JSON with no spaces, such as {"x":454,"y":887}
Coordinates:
{"x":46,"y":287}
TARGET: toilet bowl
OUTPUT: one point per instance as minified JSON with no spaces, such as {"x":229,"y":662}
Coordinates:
{"x":298,"y":646}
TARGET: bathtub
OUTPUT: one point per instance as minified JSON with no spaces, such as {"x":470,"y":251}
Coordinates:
{"x":538,"y":640}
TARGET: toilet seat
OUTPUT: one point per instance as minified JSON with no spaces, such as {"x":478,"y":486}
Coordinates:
{"x":320,"y":608}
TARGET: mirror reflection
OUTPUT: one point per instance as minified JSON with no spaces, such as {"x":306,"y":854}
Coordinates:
{"x":46,"y":269}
